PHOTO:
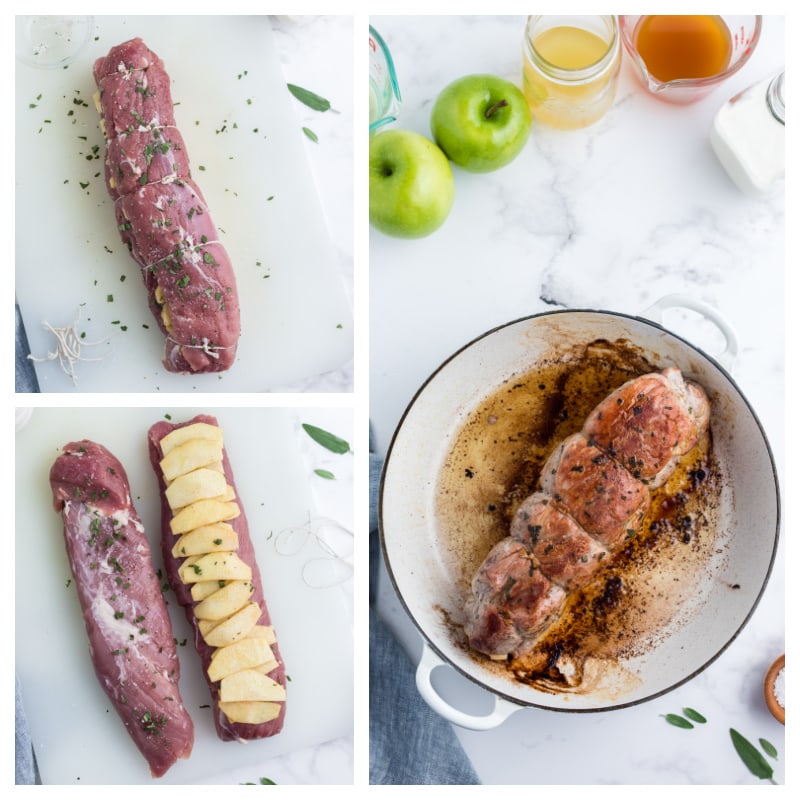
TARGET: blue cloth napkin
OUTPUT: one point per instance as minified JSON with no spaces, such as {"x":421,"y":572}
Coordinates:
{"x":25,"y":772}
{"x":409,"y":742}
{"x":25,"y":379}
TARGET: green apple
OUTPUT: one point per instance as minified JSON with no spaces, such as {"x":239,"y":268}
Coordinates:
{"x":410,"y":184}
{"x":481,"y":122}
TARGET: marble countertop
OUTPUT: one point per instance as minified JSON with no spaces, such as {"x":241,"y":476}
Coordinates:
{"x":614,"y":217}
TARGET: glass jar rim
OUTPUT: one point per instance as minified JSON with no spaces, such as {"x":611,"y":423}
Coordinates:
{"x":590,"y":71}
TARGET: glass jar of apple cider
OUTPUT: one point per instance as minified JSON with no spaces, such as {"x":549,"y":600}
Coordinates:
{"x":570,"y":68}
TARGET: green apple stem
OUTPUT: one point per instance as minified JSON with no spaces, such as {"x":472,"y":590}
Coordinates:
{"x":492,"y":110}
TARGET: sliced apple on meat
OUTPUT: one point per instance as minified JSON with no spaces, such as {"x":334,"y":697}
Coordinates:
{"x":225,"y":601}
{"x":251,"y":713}
{"x":203,"y":589}
{"x":203,"y":512}
{"x":244,"y":654}
{"x":197,"y":430}
{"x":263,"y":632}
{"x":202,"y":483}
{"x":248,"y":685}
{"x":215,"y":567}
{"x":189,"y":456}
{"x":206,"y":539}
{"x":230,"y":630}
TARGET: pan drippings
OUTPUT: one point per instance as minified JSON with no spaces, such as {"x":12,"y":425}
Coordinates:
{"x":495,"y":462}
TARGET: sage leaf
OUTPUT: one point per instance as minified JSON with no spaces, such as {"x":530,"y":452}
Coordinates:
{"x":768,"y":748}
{"x":324,"y":473}
{"x":309,"y":98}
{"x":310,"y":134}
{"x":328,"y":440}
{"x":751,"y":756}
{"x":678,"y":721}
{"x":695,"y":716}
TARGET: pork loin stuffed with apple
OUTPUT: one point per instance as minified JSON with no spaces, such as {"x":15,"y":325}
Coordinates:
{"x":594,"y":491}
{"x":162,"y":215}
{"x":130,"y":636}
{"x":212,"y":569}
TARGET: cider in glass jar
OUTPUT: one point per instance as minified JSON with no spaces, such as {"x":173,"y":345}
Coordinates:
{"x":570,"y":68}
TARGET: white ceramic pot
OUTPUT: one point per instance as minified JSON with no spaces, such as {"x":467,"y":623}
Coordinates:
{"x":423,"y":576}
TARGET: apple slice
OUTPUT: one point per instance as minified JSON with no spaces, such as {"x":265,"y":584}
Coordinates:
{"x":189,"y":456}
{"x":203,"y":512}
{"x":251,"y":713}
{"x":263,"y":632}
{"x":197,"y":430}
{"x":225,"y":601}
{"x":244,"y":654}
{"x":250,"y":685}
{"x":215,"y":567}
{"x":200,"y":484}
{"x":231,"y":629}
{"x":203,"y":589}
{"x":207,"y":539}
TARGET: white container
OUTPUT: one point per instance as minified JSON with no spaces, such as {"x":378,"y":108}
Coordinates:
{"x":747,"y":135}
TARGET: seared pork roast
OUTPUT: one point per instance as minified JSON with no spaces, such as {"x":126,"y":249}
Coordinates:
{"x":594,"y":492}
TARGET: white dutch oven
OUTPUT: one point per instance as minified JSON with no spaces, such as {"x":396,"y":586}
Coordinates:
{"x":749,"y":518}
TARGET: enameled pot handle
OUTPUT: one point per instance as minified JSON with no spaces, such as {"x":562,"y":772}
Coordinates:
{"x":503,"y":709}
{"x":656,"y":313}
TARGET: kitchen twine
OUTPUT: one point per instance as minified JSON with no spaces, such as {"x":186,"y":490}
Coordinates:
{"x":68,"y":348}
{"x":334,"y":539}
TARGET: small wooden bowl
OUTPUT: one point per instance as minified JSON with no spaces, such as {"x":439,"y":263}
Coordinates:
{"x":778,"y":711}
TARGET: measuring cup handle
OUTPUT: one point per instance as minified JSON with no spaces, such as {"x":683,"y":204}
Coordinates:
{"x":656,"y":313}
{"x":503,"y":709}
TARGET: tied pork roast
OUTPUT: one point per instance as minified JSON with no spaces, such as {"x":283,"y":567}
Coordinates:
{"x":211,"y":567}
{"x":131,"y":643}
{"x":594,"y":492}
{"x":162,"y":215}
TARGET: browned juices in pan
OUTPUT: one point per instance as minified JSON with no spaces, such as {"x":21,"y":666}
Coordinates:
{"x":495,"y":462}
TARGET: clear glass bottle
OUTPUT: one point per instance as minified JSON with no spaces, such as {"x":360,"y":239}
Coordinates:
{"x":748,"y":135}
{"x":570,"y":69}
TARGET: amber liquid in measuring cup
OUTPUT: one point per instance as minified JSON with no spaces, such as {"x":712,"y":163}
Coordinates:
{"x":676,"y":47}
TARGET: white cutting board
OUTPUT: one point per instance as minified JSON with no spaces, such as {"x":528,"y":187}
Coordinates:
{"x":226,"y":83}
{"x":77,"y":736}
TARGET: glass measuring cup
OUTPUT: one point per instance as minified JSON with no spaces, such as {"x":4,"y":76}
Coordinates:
{"x":384,"y":91}
{"x":744,"y":31}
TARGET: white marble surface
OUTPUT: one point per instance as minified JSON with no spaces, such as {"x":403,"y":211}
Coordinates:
{"x":613,"y":217}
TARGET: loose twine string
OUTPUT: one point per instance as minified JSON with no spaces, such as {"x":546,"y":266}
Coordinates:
{"x":332,"y":568}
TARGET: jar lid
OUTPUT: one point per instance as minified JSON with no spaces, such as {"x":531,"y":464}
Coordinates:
{"x":775,"y":99}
